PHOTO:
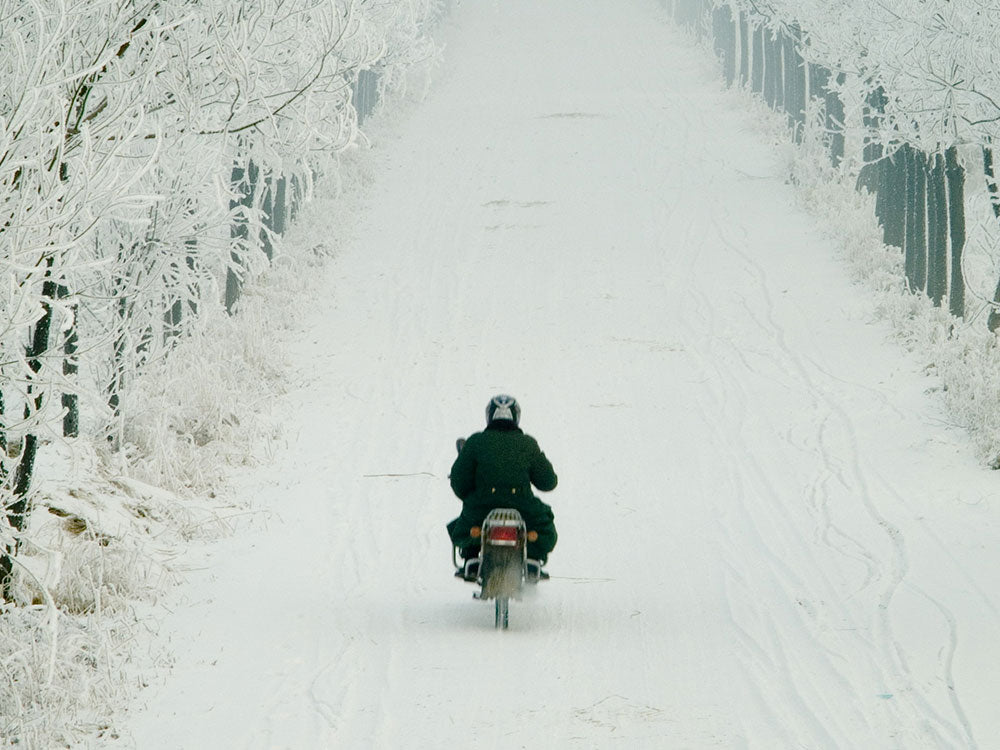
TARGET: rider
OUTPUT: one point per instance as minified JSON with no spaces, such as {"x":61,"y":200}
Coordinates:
{"x":496,"y":469}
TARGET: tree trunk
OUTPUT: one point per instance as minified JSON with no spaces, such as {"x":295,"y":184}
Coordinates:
{"x":243,"y":184}
{"x":173,"y":318}
{"x":18,"y":510}
{"x":892,"y":192}
{"x":819,"y":81}
{"x":955,"y":176}
{"x":772,"y":67}
{"x":278,"y":206}
{"x":744,"y":49}
{"x":906,"y":152}
{"x":835,"y":123}
{"x":267,"y":216}
{"x":6,"y":564}
{"x":70,"y":367}
{"x":724,"y":41}
{"x":991,"y":181}
{"x":757,"y":60}
{"x":882,"y":170}
{"x":778,"y":77}
{"x":795,"y":84}
{"x":991,"y":185}
{"x":365,"y":97}
{"x":937,"y":231}
{"x":119,"y":364}
{"x":916,"y":224}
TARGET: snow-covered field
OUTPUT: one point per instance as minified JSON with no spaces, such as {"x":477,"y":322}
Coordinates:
{"x":770,"y":536}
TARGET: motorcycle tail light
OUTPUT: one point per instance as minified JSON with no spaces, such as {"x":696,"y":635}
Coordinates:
{"x":503,"y":534}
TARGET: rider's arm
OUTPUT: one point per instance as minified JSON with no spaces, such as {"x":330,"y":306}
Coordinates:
{"x":463,"y":473}
{"x":543,"y":476}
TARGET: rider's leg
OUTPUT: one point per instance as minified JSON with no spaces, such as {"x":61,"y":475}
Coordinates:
{"x":461,"y":531}
{"x":540,"y":519}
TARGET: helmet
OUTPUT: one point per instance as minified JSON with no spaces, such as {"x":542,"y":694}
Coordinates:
{"x":503,"y":407}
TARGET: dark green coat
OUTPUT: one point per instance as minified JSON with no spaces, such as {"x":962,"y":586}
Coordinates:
{"x":497,"y":469}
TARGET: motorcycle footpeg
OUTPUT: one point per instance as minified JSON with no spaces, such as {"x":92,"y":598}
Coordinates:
{"x":533,"y":572}
{"x":469,"y":571}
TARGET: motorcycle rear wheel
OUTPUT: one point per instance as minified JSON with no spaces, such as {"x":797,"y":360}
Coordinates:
{"x":502,"y":612}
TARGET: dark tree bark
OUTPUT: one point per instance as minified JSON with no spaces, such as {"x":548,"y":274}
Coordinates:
{"x":819,"y":81}
{"x":892,"y":199}
{"x":6,"y":563}
{"x":955,"y":177}
{"x":243,"y":182}
{"x":267,"y":215}
{"x":298,"y":196}
{"x":795,"y":76}
{"x":991,"y":181}
{"x":991,"y":185}
{"x":835,"y":123}
{"x":772,"y":68}
{"x":916,"y":223}
{"x":70,"y":367}
{"x":724,"y":41}
{"x":119,"y":356}
{"x":937,"y":230}
{"x":778,"y":76}
{"x":757,"y":58}
{"x":365,"y":95}
{"x":744,"y":48}
{"x":19,"y":509}
{"x":279,"y":206}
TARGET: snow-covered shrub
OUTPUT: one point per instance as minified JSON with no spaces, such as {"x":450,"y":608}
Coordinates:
{"x":66,"y":638}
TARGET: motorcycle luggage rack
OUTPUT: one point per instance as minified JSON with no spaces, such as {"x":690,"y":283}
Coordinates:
{"x":504,"y":527}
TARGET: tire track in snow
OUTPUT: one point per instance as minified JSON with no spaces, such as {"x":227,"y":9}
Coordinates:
{"x":947,"y":732}
{"x":765,"y":669}
{"x":702,"y":326}
{"x":849,"y":474}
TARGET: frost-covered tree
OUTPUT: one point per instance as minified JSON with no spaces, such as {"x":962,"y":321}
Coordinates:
{"x":56,"y":140}
{"x":149,"y":153}
{"x":904,"y":98}
{"x":122,"y":125}
{"x":912,"y":79}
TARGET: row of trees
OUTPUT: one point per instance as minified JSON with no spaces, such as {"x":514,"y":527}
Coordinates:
{"x":151,"y":154}
{"x":911,"y":85}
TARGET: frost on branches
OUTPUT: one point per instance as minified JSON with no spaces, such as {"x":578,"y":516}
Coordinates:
{"x":151,"y":156}
{"x":901,"y":100}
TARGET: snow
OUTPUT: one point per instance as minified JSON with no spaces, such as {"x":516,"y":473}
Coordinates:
{"x":770,"y":536}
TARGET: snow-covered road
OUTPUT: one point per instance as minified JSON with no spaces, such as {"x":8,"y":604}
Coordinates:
{"x":769,"y":538}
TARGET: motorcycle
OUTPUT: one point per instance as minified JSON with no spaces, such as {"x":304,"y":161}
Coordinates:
{"x":502,"y":568}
